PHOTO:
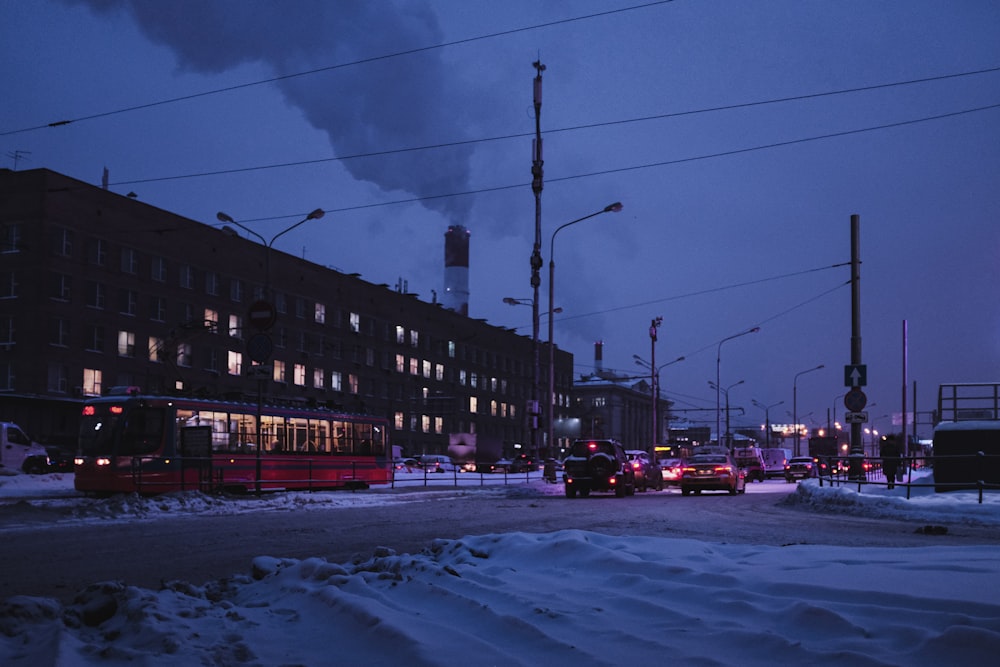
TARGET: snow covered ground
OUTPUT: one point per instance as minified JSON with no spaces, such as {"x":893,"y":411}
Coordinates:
{"x":503,"y":600}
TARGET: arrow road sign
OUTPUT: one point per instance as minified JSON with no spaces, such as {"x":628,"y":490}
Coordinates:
{"x":855,"y":375}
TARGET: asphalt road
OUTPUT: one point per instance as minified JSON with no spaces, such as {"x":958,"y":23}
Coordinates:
{"x":45,"y":556}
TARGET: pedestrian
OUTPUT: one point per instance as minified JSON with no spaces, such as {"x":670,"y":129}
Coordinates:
{"x":890,"y":459}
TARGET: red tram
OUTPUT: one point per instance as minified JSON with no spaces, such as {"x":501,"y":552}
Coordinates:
{"x":155,"y":444}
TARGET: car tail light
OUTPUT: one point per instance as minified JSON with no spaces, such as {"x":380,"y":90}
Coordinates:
{"x":635,"y":464}
{"x":725,"y":470}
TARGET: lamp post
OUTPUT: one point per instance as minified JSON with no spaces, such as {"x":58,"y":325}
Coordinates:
{"x":767,"y":418}
{"x":726,"y":392}
{"x":654,"y":380}
{"x":795,"y":405}
{"x":610,"y":208}
{"x":718,"y":379}
{"x":223,"y":217}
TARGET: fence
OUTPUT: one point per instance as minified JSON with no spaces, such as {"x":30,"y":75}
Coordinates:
{"x":838,"y":472}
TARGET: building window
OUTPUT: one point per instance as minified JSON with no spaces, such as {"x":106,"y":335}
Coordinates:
{"x":6,"y":331}
{"x":130,"y":261}
{"x":414,"y":366}
{"x":97,"y":252}
{"x":439,"y":372}
{"x":299,"y":375}
{"x":126,"y":344}
{"x":58,"y":378}
{"x":439,"y":425}
{"x":320,"y":314}
{"x":400,"y":334}
{"x":369,"y":356}
{"x":398,"y":421}
{"x":96,"y":295}
{"x":473,"y":404}
{"x":281,"y":303}
{"x":335,"y":381}
{"x":303,"y":343}
{"x":236,"y":326}
{"x":319,"y":381}
{"x":236,"y":291}
{"x":400,"y":363}
{"x":187,"y":277}
{"x":61,"y":286}
{"x":427,"y":369}
{"x":60,"y":332}
{"x":212,"y":283}
{"x":414,"y":338}
{"x":63,"y":243}
{"x":355,"y":323}
{"x":127,"y":302}
{"x":8,"y":285}
{"x":279,"y":372}
{"x":451,"y":349}
{"x":11,"y":239}
{"x":158,"y":309}
{"x":300,"y":308}
{"x":425,"y":423}
{"x":156,"y":349}
{"x":462,"y":377}
{"x":184,"y":355}
{"x":91,"y":382}
{"x":235,"y":363}
{"x":210,"y":319}
{"x":158,"y":270}
{"x":352,"y":381}
{"x":493,"y":408}
{"x":95,"y":339}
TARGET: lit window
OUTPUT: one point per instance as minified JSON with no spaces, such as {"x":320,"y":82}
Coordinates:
{"x":235,"y":364}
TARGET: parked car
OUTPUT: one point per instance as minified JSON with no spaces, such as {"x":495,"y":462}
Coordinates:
{"x":437,"y":463}
{"x":647,"y":473}
{"x":55,"y":459}
{"x":712,"y":472}
{"x":670,"y":470}
{"x":408,"y":464}
{"x":523,"y":463}
{"x":598,"y":465}
{"x":800,"y":467}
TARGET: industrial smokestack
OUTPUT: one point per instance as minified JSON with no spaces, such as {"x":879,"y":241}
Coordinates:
{"x":599,"y":355}
{"x":456,"y":269}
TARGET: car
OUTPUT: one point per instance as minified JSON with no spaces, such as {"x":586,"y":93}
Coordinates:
{"x":712,"y":472}
{"x":751,"y":462}
{"x":523,"y":463}
{"x":408,"y":464}
{"x":670,"y":470}
{"x":647,"y":473}
{"x":800,"y":467}
{"x":598,"y":465}
{"x":437,"y":463}
{"x":55,"y":459}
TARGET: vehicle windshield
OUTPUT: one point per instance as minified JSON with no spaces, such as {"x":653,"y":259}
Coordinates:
{"x":111,"y":429}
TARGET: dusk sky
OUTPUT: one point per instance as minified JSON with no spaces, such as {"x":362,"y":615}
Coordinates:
{"x":740,"y":137}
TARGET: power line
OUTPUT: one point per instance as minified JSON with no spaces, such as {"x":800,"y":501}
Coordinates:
{"x":574,"y":128}
{"x":328,"y":68}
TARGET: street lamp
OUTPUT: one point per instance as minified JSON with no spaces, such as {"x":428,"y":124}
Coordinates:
{"x":795,"y":405}
{"x":767,"y":418}
{"x":654,"y":379}
{"x":610,"y":208}
{"x":223,"y":217}
{"x":726,"y":392}
{"x":718,"y":379}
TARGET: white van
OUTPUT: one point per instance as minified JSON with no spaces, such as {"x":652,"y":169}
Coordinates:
{"x":775,"y":460}
{"x":16,"y":447}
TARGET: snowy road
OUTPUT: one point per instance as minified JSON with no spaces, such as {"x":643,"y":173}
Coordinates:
{"x":54,"y":552}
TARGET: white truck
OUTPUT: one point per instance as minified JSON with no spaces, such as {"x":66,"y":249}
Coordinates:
{"x":775,"y":459}
{"x":18,"y":452}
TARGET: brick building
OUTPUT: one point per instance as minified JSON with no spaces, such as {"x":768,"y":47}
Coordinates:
{"x":100,"y":290}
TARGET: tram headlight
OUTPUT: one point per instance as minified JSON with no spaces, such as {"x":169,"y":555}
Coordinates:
{"x":102,"y":461}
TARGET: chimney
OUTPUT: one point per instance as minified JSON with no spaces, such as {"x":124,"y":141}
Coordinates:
{"x":599,"y":355}
{"x":456,"y":269}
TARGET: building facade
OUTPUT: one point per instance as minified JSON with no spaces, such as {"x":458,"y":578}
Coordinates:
{"x":99,"y":290}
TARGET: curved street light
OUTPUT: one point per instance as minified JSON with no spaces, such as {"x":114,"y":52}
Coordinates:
{"x":795,"y":405}
{"x":767,"y":418}
{"x":718,"y":381}
{"x":224,"y":217}
{"x":610,"y":208}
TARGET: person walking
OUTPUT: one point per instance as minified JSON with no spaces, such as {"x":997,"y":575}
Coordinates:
{"x":890,"y":459}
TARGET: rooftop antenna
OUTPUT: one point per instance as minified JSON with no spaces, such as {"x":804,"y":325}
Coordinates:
{"x":17,"y":156}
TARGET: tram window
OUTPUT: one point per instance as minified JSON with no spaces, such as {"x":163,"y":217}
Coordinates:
{"x":143,"y":432}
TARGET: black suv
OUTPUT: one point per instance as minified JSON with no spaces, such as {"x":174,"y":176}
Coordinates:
{"x":598,"y":465}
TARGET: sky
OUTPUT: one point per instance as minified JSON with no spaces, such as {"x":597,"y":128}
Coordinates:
{"x":739,"y":137}
{"x":500,"y":599}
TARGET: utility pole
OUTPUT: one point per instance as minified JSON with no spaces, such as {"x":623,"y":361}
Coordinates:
{"x":536,"y":257}
{"x":856,"y":470}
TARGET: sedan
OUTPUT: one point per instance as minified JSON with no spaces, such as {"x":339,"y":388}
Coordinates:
{"x":711,"y":472}
{"x":670,"y":469}
{"x":800,"y":467}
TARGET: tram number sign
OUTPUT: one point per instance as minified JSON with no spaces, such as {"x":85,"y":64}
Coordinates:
{"x":262,"y":315}
{"x":855,"y":400}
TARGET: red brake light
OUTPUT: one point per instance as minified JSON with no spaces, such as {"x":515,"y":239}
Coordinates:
{"x":116,"y":409}
{"x":89,"y":411}
{"x":591,"y":446}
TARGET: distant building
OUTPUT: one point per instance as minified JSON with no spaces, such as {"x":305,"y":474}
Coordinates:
{"x":99,"y":290}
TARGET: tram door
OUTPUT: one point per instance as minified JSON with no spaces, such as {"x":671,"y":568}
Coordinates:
{"x":196,"y":457}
